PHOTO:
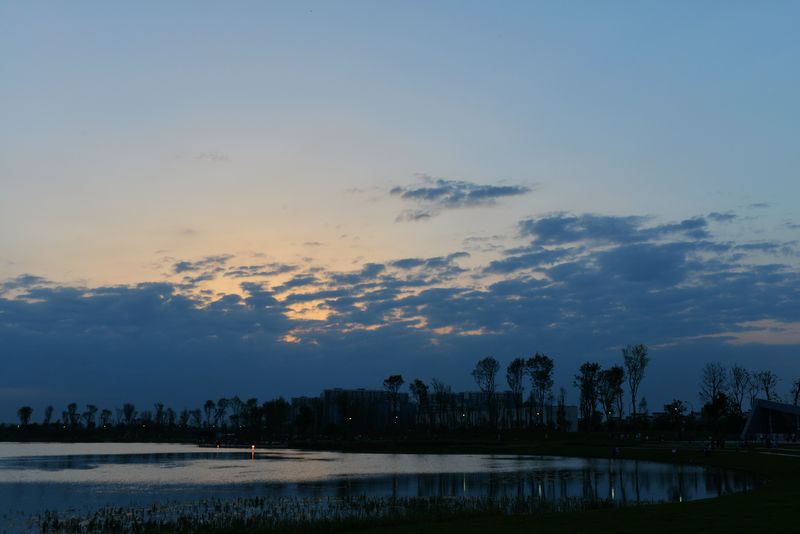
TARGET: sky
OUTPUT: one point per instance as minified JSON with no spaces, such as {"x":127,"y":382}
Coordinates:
{"x":201,"y":200}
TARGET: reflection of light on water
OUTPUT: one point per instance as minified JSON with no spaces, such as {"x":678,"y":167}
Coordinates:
{"x":116,"y":471}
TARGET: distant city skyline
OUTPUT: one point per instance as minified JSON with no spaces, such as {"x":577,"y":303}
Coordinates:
{"x":199,"y":201}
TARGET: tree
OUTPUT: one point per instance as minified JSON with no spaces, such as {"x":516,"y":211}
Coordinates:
{"x":48,"y":415}
{"x":753,"y":387}
{"x":716,"y":408}
{"x":643,"y":406}
{"x":442,"y":395}
{"x":236,"y":406}
{"x":515,"y":373}
{"x":159,"y":413}
{"x":171,"y":417}
{"x":276,"y":413}
{"x":610,"y":389}
{"x":196,"y":417}
{"x":767,"y":381}
{"x":635,"y":359}
{"x":89,"y":415}
{"x":24,"y":413}
{"x":183,"y":418}
{"x":675,"y":411}
{"x":796,"y":391}
{"x":561,"y":412}
{"x":146,"y":418}
{"x":219,"y":412}
{"x":209,"y":408}
{"x":105,"y":417}
{"x":129,"y":413}
{"x":738,"y":381}
{"x":712,"y":381}
{"x":540,"y":371}
{"x":72,"y":414}
{"x":420,"y":391}
{"x":485,"y":375}
{"x":392,"y":386}
{"x":250,"y":415}
{"x":587,"y":381}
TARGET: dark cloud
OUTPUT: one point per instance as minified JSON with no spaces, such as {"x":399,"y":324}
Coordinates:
{"x":434,"y":263}
{"x":728,"y":216}
{"x":21,"y":282}
{"x":534,"y":258}
{"x":437,"y":194}
{"x":209,"y":262}
{"x":303,"y":280}
{"x":562,"y":228}
{"x":264,"y":269}
{"x":415,"y":215}
{"x":671,"y":285}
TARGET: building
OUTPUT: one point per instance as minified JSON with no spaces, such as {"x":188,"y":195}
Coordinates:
{"x":775,"y":420}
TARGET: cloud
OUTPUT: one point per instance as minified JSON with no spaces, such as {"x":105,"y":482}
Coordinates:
{"x":415,"y":215}
{"x":536,"y":257}
{"x":728,"y":216}
{"x":564,"y":228}
{"x":260,"y":270}
{"x":435,"y":195}
{"x":209,"y":262}
{"x":22,"y":281}
{"x":581,"y":286}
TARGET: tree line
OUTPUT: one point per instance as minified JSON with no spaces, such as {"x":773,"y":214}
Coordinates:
{"x":603,"y":395}
{"x":530,"y":382}
{"x":224,"y":414}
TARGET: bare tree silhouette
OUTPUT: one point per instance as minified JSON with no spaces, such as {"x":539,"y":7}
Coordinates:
{"x":767,"y":381}
{"x":713,"y":379}
{"x":587,"y":381}
{"x":540,"y":371}
{"x":515,"y":375}
{"x":485,"y":375}
{"x":739,"y":381}
{"x":48,"y":415}
{"x":635,"y":359}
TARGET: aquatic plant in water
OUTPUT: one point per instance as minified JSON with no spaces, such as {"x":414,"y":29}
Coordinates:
{"x":294,"y":513}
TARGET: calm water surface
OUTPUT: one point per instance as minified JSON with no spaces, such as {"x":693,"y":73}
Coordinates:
{"x":85,"y":476}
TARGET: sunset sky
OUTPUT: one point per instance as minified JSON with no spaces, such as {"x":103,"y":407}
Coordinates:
{"x":258,"y":199}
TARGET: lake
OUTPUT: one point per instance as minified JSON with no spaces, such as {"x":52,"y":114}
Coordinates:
{"x":81,"y":478}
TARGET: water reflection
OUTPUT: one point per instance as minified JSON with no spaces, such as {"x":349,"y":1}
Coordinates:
{"x":101,"y":476}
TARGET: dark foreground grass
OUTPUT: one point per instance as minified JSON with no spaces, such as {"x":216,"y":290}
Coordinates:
{"x":773,"y":507}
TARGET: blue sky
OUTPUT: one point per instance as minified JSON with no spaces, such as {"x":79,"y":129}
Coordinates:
{"x":263,"y":199}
